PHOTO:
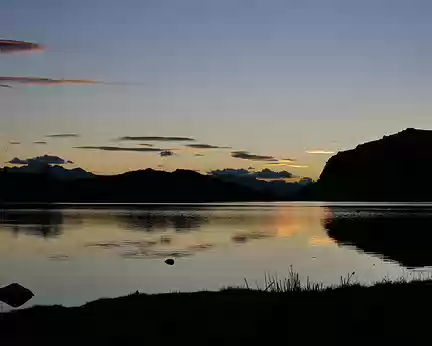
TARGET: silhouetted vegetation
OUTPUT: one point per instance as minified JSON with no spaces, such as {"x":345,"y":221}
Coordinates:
{"x":283,"y":311}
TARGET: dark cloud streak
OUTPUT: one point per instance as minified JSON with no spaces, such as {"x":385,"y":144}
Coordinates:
{"x":12,"y":46}
{"x":205,"y":146}
{"x":111,"y":148}
{"x":156,"y":138}
{"x":166,"y":153}
{"x":63,"y":135}
{"x":244,"y":155}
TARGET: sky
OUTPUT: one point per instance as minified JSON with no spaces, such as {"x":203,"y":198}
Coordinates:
{"x":268,"y":77}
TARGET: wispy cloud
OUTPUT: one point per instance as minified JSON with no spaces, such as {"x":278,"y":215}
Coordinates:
{"x":63,"y":135}
{"x":297,"y":166}
{"x":156,"y":138}
{"x":11,"y":46}
{"x":245,"y":155}
{"x":46,"y":159}
{"x":319,"y":151}
{"x":46,"y":81}
{"x":206,"y":146}
{"x":111,"y":148}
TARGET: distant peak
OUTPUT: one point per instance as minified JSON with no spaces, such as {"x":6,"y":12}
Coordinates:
{"x":409,"y":132}
{"x":412,"y":130}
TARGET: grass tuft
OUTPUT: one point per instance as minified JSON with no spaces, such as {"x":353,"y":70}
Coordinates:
{"x":293,"y":283}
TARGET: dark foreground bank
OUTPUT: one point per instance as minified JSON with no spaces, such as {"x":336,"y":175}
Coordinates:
{"x":386,"y":312}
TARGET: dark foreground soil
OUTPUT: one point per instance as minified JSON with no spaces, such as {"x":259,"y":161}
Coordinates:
{"x":384,"y":313}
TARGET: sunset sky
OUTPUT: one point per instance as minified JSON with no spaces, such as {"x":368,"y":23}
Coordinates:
{"x":271,"y":78}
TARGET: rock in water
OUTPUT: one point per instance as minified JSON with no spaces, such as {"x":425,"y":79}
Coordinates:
{"x":169,"y":261}
{"x":15,"y":295}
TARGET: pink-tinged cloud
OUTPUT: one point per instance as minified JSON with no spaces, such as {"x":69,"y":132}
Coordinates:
{"x":11,"y":46}
{"x":45,"y":81}
{"x":319,"y":151}
{"x":112,"y":148}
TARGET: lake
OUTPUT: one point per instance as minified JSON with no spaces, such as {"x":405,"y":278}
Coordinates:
{"x":73,"y":254}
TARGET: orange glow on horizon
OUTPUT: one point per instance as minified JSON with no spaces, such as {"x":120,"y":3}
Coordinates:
{"x":319,"y":151}
{"x":285,"y":165}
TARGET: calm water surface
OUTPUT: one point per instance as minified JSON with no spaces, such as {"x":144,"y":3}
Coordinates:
{"x":72,"y":255}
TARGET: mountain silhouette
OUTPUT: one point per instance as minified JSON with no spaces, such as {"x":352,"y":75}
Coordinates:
{"x":55,"y":171}
{"x":394,"y":168}
{"x":136,"y":186}
{"x":280,"y":189}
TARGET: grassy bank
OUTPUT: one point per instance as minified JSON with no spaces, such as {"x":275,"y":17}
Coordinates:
{"x":284,"y":311}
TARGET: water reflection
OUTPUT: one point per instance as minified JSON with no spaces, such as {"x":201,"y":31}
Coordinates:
{"x":399,"y":234}
{"x":160,"y":220}
{"x":176,"y":231}
{"x":43,"y":223}
{"x":72,"y":256}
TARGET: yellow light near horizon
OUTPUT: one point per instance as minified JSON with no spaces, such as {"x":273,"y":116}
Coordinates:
{"x":285,"y":165}
{"x":320,"y":241}
{"x":320,"y":151}
{"x":285,"y":160}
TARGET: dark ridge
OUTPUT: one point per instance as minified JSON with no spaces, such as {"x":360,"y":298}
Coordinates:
{"x":394,"y":168}
{"x":56,"y":184}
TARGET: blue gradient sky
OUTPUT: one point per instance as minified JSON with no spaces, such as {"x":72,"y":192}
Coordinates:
{"x":274,"y":77}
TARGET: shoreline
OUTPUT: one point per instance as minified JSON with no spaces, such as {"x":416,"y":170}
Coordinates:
{"x":349,"y":313}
